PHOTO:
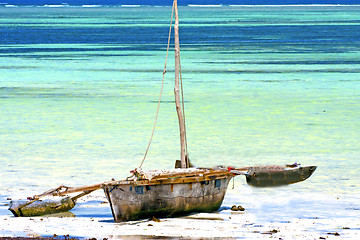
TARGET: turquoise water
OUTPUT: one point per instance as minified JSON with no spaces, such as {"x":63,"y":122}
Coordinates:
{"x":263,"y":85}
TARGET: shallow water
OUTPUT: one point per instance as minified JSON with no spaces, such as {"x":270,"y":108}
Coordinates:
{"x":263,"y":85}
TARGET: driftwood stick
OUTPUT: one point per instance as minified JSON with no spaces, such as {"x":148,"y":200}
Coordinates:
{"x":37,"y":197}
{"x":82,"y":194}
{"x":78,"y":189}
{"x":57,"y":191}
{"x":242,"y":169}
{"x":49,"y":192}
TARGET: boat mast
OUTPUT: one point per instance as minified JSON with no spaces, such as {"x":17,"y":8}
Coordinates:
{"x":176,"y":88}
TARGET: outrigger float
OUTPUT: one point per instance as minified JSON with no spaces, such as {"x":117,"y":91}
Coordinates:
{"x":165,"y":193}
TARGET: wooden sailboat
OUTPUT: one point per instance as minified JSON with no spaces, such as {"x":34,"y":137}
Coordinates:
{"x":173,"y":192}
{"x":168,"y":194}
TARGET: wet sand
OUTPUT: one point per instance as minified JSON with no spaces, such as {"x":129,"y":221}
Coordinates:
{"x":231,"y":225}
{"x":92,"y":219}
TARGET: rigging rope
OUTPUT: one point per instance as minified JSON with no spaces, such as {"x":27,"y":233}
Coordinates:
{"x":162,"y":87}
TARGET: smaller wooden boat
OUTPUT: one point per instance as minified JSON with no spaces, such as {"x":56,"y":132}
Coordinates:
{"x":29,"y":208}
{"x":270,"y":176}
{"x":57,"y":203}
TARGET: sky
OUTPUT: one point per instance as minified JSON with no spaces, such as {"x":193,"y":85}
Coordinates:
{"x":180,"y":2}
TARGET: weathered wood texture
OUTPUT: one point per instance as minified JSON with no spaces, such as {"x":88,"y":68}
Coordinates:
{"x":167,"y":197}
{"x":179,"y":110}
{"x":264,"y":177}
{"x":41,"y":207}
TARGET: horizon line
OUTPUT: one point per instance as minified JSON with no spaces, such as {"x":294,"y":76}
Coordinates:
{"x":188,"y":5}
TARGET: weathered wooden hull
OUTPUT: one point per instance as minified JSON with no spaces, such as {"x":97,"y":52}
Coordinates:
{"x":139,"y":200}
{"x":41,"y":207}
{"x":264,"y":177}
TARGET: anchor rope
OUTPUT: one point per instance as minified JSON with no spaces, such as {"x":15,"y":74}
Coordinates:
{"x":162,"y":87}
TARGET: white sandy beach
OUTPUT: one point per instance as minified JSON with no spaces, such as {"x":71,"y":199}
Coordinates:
{"x":195,"y":226}
{"x":94,"y":220}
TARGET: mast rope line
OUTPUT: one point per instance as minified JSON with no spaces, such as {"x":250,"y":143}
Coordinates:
{"x":162,"y":87}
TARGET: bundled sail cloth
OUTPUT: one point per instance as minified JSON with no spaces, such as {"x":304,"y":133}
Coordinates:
{"x":140,"y":174}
